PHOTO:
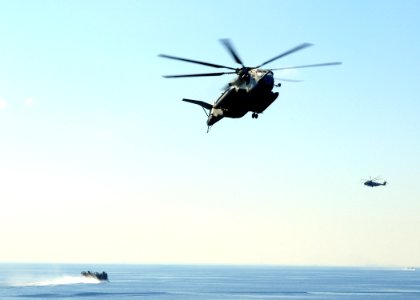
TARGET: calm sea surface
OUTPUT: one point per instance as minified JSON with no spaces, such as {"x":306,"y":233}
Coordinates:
{"x":48,"y":281}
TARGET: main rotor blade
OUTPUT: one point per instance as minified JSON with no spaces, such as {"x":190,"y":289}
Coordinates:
{"x":297,"y":48}
{"x":198,"y":75}
{"x":309,"y":66}
{"x":229,"y":47}
{"x":287,"y":80}
{"x":195,"y":61}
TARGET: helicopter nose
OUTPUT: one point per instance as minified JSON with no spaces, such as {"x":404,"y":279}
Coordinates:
{"x":268,"y":81}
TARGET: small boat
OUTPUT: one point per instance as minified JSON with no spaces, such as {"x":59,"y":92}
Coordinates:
{"x":100,"y":276}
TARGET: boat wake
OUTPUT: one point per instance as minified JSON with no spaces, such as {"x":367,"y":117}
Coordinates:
{"x":63,"y":280}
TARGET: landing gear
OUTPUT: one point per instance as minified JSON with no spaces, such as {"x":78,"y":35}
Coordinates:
{"x":254,"y":115}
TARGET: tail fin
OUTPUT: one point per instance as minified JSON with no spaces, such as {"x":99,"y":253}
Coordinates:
{"x":201,"y":103}
{"x":384,"y":183}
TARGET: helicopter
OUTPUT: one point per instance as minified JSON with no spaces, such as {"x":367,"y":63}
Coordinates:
{"x":372,"y":182}
{"x":250,"y":91}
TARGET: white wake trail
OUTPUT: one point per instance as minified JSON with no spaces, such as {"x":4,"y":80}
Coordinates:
{"x":63,"y":280}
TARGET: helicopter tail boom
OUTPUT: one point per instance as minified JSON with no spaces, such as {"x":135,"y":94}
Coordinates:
{"x":201,"y":103}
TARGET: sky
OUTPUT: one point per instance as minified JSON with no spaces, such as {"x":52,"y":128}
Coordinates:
{"x":101,"y":161}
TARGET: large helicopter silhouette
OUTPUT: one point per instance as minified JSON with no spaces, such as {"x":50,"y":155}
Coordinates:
{"x":250,"y":91}
{"x":372,"y":182}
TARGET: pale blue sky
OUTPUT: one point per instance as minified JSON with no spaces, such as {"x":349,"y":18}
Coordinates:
{"x":91,"y":132}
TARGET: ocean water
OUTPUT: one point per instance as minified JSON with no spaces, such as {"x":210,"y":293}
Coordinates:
{"x":51,"y":281}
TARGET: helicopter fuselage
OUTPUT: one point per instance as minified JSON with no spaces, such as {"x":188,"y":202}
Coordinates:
{"x":251,"y":93}
{"x":372,"y":183}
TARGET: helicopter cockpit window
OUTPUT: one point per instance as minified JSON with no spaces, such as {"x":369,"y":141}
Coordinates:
{"x":261,"y":73}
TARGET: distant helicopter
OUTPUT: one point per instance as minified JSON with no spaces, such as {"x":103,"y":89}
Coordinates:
{"x":372,"y":182}
{"x":251,"y":91}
